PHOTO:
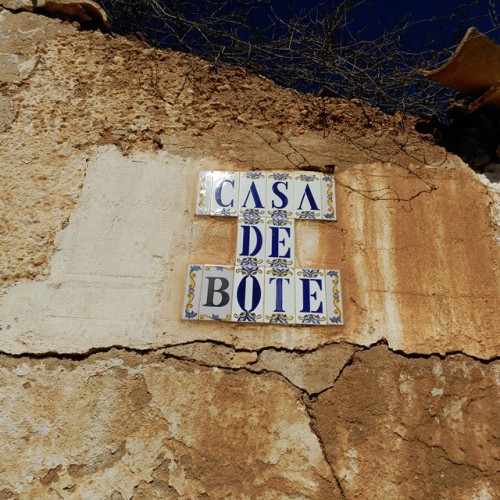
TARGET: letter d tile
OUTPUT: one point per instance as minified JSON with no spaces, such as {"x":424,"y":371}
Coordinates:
{"x":251,"y":242}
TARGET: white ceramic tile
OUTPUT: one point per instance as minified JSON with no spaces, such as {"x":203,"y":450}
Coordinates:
{"x":280,"y":240}
{"x":252,"y":192}
{"x":248,"y":294}
{"x":216,"y":293}
{"x":328,"y":200}
{"x":333,"y":297}
{"x":251,"y":242}
{"x":310,"y":301}
{"x":307,"y":196}
{"x":203,"y":199}
{"x":279,"y":193}
{"x":224,"y":196}
{"x":191,"y":307}
{"x":279,"y":296}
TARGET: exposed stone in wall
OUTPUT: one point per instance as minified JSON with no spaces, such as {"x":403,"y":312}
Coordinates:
{"x":7,"y":113}
{"x":398,"y":427}
{"x":105,"y":393}
{"x":147,"y":427}
{"x":152,"y":426}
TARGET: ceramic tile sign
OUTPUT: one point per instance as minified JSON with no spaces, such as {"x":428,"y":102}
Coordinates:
{"x":263,"y":284}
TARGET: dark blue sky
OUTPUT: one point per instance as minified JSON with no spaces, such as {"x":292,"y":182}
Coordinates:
{"x":451,"y":18}
{"x":293,"y":44}
{"x":450,"y":15}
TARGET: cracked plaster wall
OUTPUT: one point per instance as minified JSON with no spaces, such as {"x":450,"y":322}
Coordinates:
{"x":100,"y":151}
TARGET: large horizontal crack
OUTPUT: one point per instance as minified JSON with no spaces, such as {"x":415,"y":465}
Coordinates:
{"x":81,"y":356}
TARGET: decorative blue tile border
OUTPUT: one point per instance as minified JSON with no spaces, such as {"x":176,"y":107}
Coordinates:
{"x":264,"y":286}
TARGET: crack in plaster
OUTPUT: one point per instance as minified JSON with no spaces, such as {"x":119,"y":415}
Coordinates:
{"x":306,"y":404}
{"x":359,"y":347}
{"x":307,"y":399}
{"x":444,"y":454}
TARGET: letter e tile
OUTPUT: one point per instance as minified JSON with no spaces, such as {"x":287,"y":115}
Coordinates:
{"x":216,"y":293}
{"x":280,"y":240}
{"x":310,"y":303}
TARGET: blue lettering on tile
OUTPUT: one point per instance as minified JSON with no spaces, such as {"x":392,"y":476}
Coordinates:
{"x":263,"y":284}
{"x":218,"y":193}
{"x":255,"y":195}
{"x":258,"y":242}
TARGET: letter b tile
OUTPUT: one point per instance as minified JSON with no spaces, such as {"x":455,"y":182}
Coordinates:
{"x":216,"y":293}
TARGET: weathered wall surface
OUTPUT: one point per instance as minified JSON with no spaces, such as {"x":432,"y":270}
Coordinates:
{"x":101,"y":142}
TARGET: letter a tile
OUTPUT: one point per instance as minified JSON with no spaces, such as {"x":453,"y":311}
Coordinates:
{"x":192,"y":295}
{"x":252,"y":192}
{"x":307,"y":196}
{"x":248,"y":294}
{"x":216,"y":293}
{"x":310,"y":300}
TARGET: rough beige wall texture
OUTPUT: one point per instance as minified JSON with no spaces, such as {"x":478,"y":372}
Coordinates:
{"x":164,"y":425}
{"x":117,"y":276}
{"x":101,"y":142}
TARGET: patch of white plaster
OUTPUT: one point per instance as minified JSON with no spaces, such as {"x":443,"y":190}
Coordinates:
{"x":106,"y":276}
{"x":454,"y":410}
{"x":483,"y":494}
{"x":22,"y":370}
{"x":351,"y":470}
{"x":42,"y":428}
{"x":386,"y":267}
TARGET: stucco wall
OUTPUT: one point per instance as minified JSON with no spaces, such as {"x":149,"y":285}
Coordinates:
{"x":106,"y":393}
